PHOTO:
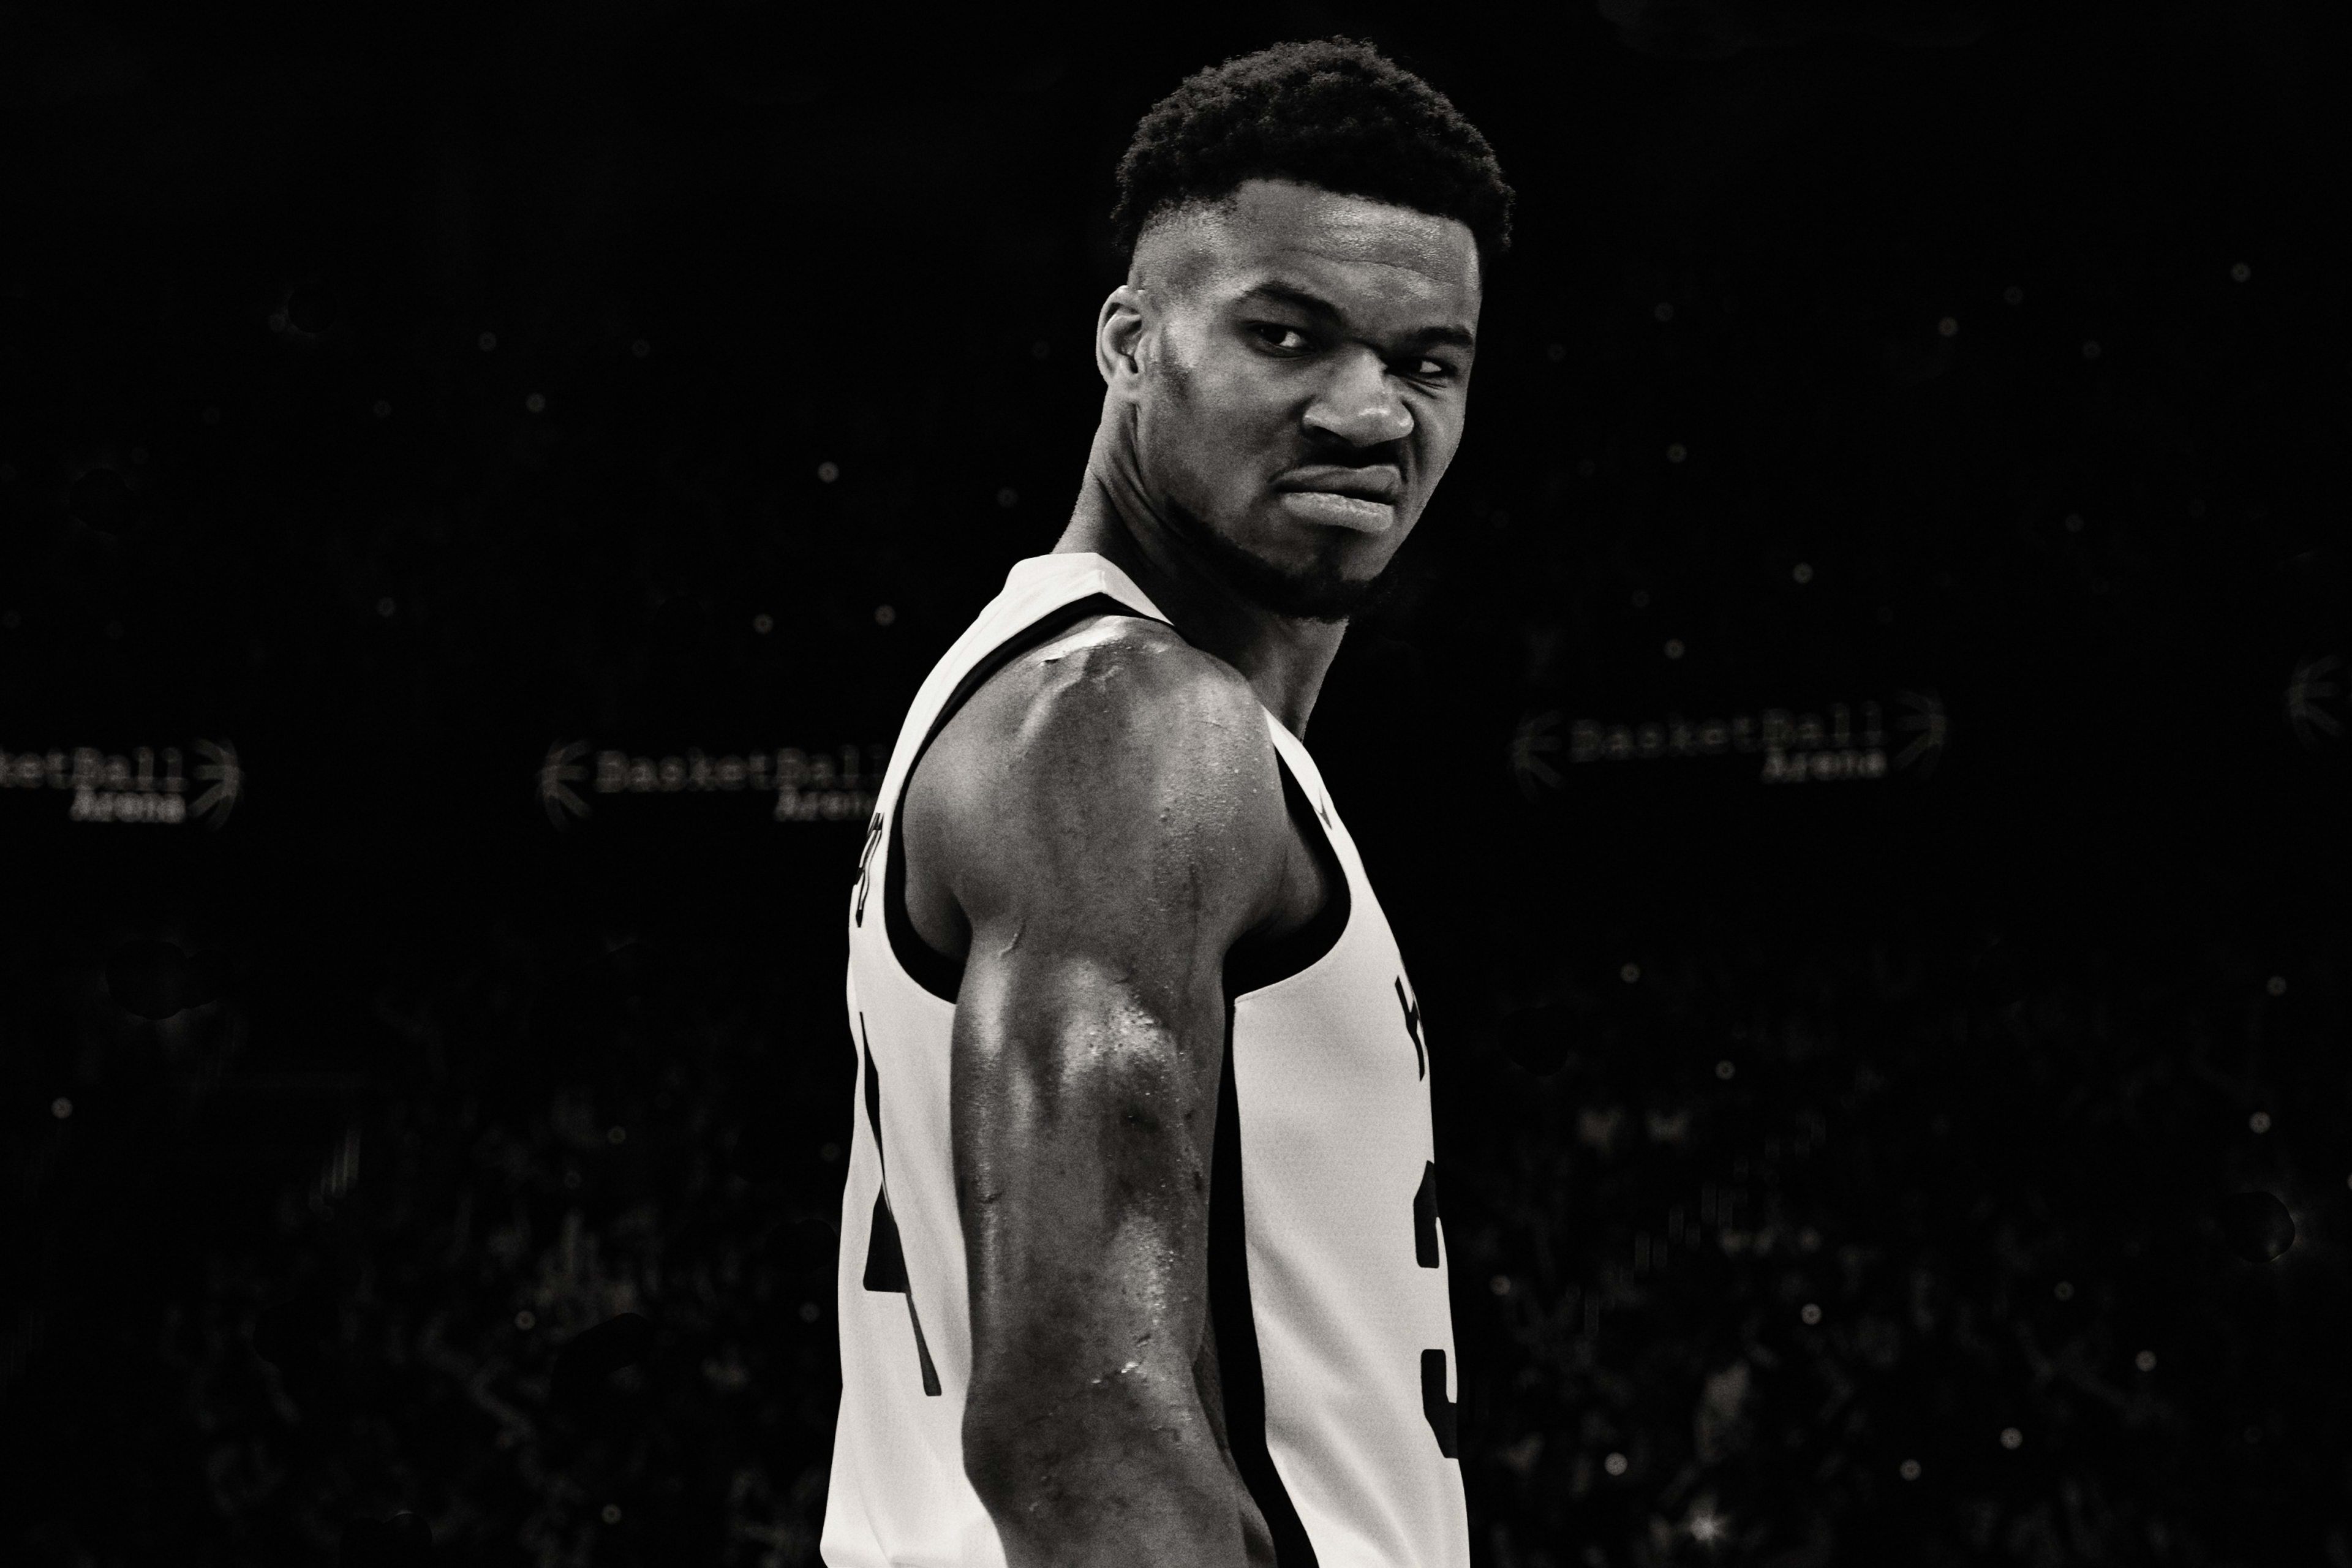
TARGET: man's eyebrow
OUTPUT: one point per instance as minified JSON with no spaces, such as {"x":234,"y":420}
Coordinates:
{"x":1314,"y":304}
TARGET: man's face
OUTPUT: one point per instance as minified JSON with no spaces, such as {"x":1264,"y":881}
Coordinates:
{"x":1306,"y":363}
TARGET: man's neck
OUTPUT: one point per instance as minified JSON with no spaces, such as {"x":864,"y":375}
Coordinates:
{"x":1283,"y":659}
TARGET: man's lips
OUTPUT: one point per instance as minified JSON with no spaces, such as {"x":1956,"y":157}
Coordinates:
{"x":1362,"y":506}
{"x":1381,"y":482}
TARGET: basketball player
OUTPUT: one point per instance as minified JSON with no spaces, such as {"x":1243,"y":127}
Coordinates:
{"x":1140,"y":1258}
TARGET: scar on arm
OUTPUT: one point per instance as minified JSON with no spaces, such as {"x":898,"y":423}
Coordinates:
{"x":1013,"y":941}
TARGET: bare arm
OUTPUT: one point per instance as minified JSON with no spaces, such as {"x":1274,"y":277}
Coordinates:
{"x":1106,"y":859}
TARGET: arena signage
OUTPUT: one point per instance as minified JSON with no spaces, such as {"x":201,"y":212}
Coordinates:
{"x":2316,"y":705}
{"x":1839,"y":742}
{"x":835,"y":785}
{"x":143,"y":784}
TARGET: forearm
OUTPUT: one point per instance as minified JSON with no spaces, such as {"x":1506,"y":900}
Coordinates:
{"x":1123,"y":1469}
{"x":1083,"y":1092}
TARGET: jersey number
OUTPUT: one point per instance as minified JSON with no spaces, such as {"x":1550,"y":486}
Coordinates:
{"x":1434,"y":1402}
{"x":886,"y":1260}
{"x":886,"y":1266}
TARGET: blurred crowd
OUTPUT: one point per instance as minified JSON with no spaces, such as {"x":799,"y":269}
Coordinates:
{"x":1867,"y":1241}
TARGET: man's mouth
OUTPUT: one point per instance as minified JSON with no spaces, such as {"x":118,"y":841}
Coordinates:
{"x":1379,"y":481}
{"x":1336,"y":511}
{"x":1364,"y":499}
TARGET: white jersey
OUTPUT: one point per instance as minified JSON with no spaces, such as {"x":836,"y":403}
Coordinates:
{"x":1327,"y":1259}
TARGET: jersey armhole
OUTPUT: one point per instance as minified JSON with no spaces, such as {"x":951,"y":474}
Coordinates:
{"x":1253,"y":967}
{"x":933,"y":969}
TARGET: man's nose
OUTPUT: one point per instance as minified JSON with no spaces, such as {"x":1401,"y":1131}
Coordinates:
{"x":1360,"y":405}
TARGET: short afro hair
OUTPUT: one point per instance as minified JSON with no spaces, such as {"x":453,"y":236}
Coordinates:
{"x":1333,"y":113}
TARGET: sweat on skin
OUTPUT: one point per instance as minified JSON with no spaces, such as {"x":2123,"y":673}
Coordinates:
{"x":1103,"y":821}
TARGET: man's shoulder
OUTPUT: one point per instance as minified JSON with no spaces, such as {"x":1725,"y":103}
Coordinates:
{"x":1129,"y":682}
{"x":1108,"y":738}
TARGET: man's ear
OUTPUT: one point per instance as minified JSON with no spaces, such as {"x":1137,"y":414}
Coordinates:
{"x":1120,"y":331}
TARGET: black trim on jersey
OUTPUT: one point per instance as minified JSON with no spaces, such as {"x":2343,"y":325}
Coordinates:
{"x":1255,"y":967}
{"x":1249,"y":967}
{"x":933,"y":969}
{"x":1241,"y":1374}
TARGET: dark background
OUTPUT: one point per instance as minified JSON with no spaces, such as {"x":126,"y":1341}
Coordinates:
{"x":1800,"y":1140}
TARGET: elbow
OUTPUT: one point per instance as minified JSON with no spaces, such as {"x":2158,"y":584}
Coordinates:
{"x":1002,"y":1459}
{"x":1089,"y":1473}
{"x":1028,"y":1441}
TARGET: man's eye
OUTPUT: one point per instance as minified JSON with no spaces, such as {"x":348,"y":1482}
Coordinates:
{"x":1272,"y":334}
{"x":1433,"y":369}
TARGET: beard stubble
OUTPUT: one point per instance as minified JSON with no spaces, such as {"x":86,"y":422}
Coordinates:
{"x":1315,"y":592}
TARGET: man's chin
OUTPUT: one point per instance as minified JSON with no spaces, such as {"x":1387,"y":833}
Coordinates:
{"x":1318,"y":596}
{"x":1315,"y":592}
